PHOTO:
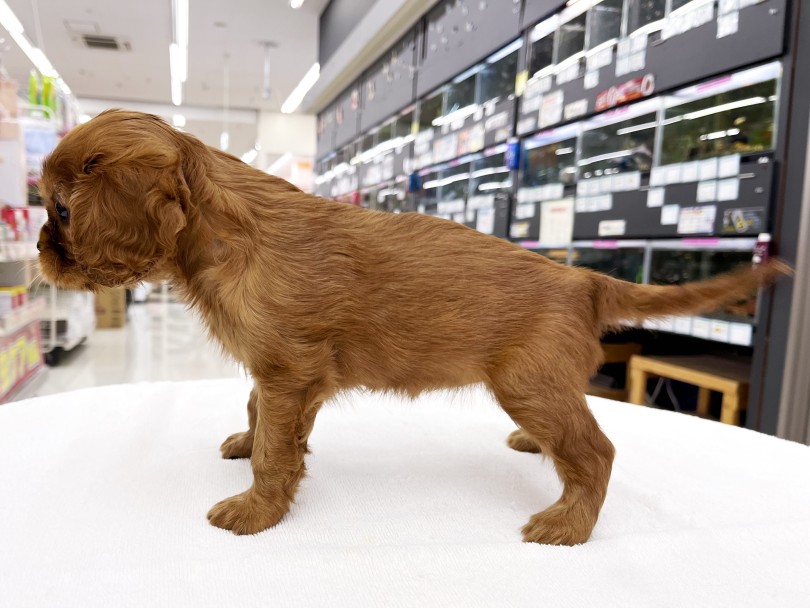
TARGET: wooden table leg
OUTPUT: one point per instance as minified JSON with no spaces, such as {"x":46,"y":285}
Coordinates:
{"x":731,"y":409}
{"x":638,"y":386}
{"x":703,"y":401}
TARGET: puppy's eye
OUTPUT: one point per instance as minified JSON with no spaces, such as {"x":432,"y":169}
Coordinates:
{"x":62,"y":212}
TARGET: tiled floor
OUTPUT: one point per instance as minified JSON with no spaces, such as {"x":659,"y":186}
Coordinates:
{"x":161,"y":341}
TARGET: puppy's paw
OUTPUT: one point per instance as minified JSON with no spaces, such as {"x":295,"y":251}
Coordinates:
{"x":238,"y":445}
{"x":246,"y":513}
{"x":521,"y":441}
{"x":557,"y":526}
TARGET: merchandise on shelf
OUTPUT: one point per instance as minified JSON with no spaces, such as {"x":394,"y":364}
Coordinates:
{"x":12,"y":298}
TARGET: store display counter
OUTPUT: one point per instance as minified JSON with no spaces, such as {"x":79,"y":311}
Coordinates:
{"x":419,"y":503}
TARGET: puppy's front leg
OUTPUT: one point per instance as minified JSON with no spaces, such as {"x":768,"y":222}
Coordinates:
{"x":284,"y":420}
{"x":240,"y":445}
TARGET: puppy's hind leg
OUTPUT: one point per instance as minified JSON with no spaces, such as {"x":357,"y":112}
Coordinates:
{"x":555,"y":415}
{"x":240,"y":445}
{"x":284,"y":420}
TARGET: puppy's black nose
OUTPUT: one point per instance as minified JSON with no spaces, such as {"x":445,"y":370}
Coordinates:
{"x":39,"y":245}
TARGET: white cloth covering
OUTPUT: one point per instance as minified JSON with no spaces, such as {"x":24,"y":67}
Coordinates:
{"x":103,"y":496}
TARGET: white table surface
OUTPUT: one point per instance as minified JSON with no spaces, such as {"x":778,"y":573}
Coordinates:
{"x":103,"y":496}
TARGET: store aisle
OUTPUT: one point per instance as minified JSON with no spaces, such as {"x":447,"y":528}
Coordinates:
{"x":161,"y":341}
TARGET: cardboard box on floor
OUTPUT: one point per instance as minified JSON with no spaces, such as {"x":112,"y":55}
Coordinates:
{"x":111,"y":308}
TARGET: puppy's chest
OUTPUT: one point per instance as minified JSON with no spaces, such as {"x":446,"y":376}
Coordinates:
{"x":245,"y":333}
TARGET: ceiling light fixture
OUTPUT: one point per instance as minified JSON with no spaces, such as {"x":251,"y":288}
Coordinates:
{"x":296,"y":3}
{"x":181,"y":23}
{"x":249,"y":156}
{"x":302,"y":88}
{"x":178,"y":50}
{"x":9,"y":20}
{"x":279,"y":163}
{"x":178,"y":120}
{"x":35,"y":55}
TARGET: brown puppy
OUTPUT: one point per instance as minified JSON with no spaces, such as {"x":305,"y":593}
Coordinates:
{"x":315,"y":297}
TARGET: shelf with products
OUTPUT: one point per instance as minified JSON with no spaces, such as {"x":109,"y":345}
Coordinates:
{"x":473,"y":190}
{"x":386,"y":151}
{"x":670,"y":262}
{"x":698,"y":161}
{"x":473,"y":111}
{"x":21,"y":351}
{"x":594,"y":55}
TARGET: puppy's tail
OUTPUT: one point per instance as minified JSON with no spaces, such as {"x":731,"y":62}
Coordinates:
{"x":620,"y":301}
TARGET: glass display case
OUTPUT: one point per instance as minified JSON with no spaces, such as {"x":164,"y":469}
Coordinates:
{"x":429,"y":193}
{"x":674,"y":267}
{"x":391,"y":198}
{"x":713,"y":121}
{"x":460,"y":94}
{"x":368,"y":198}
{"x":618,"y":147}
{"x":403,"y":126}
{"x":676,"y":4}
{"x":489,"y":175}
{"x":541,"y":47}
{"x":455,"y":183}
{"x":571,"y":38}
{"x":544,"y":163}
{"x":641,"y":13}
{"x":386,"y":133}
{"x":430,"y":109}
{"x":605,"y":22}
{"x":367,"y":143}
{"x":497,"y":78}
{"x":626,"y":263}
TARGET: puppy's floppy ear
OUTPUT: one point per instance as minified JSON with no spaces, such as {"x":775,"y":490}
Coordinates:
{"x":127,"y":211}
{"x":91,"y":162}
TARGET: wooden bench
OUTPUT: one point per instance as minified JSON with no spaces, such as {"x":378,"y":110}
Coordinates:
{"x":731,"y":377}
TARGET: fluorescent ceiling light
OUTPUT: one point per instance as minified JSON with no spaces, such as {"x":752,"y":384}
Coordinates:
{"x":495,"y":185}
{"x":36,"y":55}
{"x":296,"y":3}
{"x":455,"y":115}
{"x":295,"y":98}
{"x":177,"y":92}
{"x":608,"y":156}
{"x":279,"y":163}
{"x":249,"y":156}
{"x":641,"y":127}
{"x":446,"y":181}
{"x":9,"y":20}
{"x":181,"y":23}
{"x":178,"y":62}
{"x":224,"y":140}
{"x":178,"y":120}
{"x":489,"y":171}
{"x":724,"y":107}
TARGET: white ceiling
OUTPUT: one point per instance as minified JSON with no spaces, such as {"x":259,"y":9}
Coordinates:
{"x":237,"y":28}
{"x":234,"y":31}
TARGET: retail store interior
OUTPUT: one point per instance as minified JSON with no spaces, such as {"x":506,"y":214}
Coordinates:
{"x":661,"y":142}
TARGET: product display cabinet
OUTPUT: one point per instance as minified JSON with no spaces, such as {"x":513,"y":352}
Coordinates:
{"x":641,"y":138}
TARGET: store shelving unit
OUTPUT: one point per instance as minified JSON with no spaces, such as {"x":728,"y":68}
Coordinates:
{"x":648,"y":139}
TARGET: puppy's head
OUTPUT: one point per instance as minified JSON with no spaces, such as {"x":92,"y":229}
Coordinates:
{"x":115,"y":196}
